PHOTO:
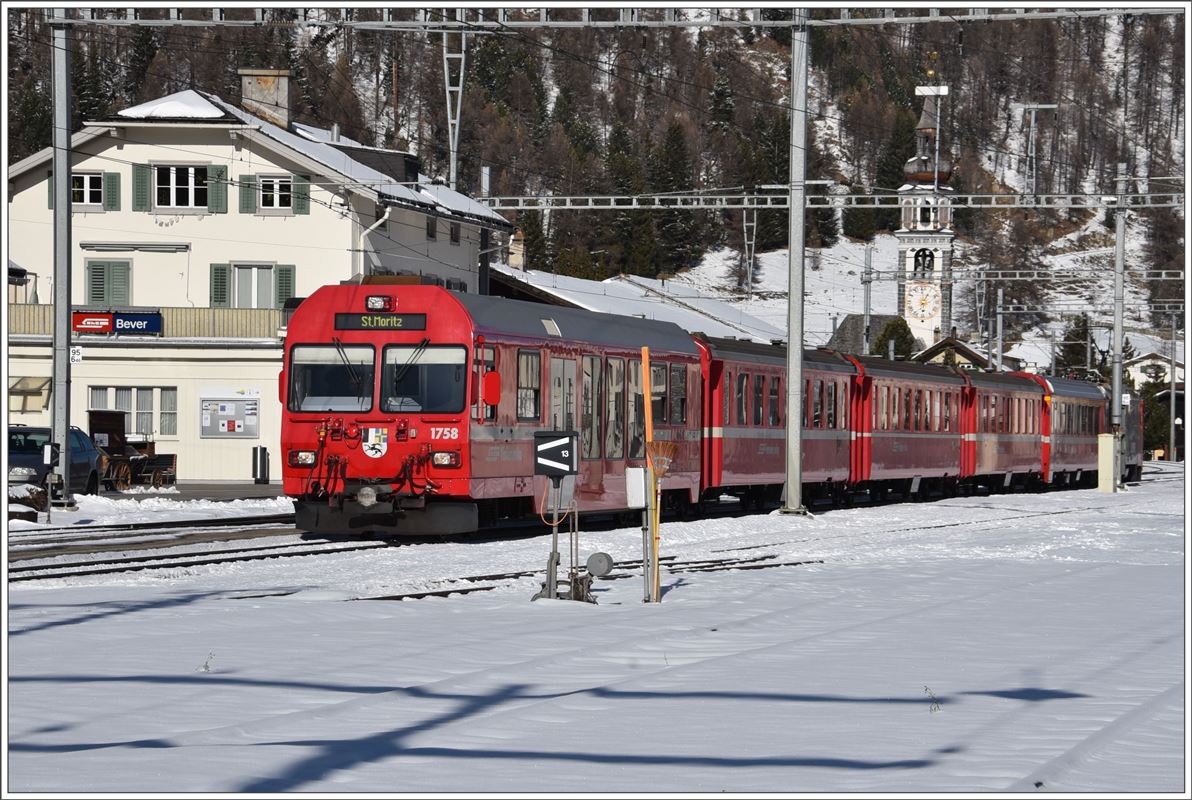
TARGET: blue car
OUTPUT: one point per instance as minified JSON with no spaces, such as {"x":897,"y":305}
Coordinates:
{"x":26,"y":455}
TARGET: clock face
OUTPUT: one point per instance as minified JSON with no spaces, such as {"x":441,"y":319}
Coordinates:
{"x":922,"y":300}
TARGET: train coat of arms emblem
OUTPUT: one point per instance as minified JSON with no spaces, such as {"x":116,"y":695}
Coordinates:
{"x":376,"y":442}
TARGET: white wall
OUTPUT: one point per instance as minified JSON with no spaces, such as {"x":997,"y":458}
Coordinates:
{"x":197,"y":372}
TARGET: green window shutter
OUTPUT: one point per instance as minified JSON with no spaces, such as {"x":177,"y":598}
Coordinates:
{"x":49,"y":189}
{"x":118,"y":283}
{"x":248,"y":194}
{"x":284,"y":284}
{"x":96,"y":282}
{"x":301,"y":194}
{"x":111,"y":191}
{"x":217,"y":189}
{"x":221,"y":285}
{"x":141,"y":179}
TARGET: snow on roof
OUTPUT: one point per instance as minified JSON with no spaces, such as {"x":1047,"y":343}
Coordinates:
{"x":187,"y":104}
{"x":633,"y":296}
{"x":361,"y":174}
{"x":322,"y":134}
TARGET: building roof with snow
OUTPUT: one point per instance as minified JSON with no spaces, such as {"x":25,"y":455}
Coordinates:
{"x":387,"y":175}
{"x":634,"y":296}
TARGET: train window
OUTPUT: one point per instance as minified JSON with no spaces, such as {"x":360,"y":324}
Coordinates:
{"x":775,"y":401}
{"x":742,"y":395}
{"x":893,"y":411}
{"x":658,"y":393}
{"x":529,"y":385}
{"x":562,"y":394}
{"x":917,"y":418}
{"x":830,"y":405}
{"x":590,"y":408}
{"x":728,"y":397}
{"x":883,"y":398}
{"x":907,"y":408}
{"x":637,"y":411}
{"x":817,"y":404}
{"x":614,"y":396}
{"x":416,"y":378}
{"x":335,"y":377}
{"x":759,"y":399}
{"x":484,"y":360}
{"x":806,"y":403}
{"x":947,"y":411}
{"x":678,"y":394}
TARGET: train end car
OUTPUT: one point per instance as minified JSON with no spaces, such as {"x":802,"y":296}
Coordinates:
{"x":411,"y":410}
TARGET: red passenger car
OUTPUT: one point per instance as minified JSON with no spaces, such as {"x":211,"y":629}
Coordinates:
{"x":908,"y":435}
{"x":1003,"y":430}
{"x":412,"y":409}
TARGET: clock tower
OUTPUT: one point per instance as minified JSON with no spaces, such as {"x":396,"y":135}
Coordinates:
{"x":925,"y":236}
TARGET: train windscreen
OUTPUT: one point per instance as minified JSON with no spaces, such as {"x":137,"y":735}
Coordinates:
{"x":333,"y":377}
{"x":422,"y":379}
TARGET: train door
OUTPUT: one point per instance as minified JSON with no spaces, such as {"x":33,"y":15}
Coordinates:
{"x":562,"y":394}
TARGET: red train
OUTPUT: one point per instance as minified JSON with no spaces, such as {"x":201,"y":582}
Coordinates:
{"x":412,"y":410}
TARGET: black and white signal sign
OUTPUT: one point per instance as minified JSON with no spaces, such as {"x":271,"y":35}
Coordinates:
{"x":556,"y":453}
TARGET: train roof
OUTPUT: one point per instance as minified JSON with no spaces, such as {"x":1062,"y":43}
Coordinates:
{"x":775,"y":354}
{"x":908,"y":369}
{"x":1001,"y":380}
{"x":499,"y":315}
{"x":1067,"y":387}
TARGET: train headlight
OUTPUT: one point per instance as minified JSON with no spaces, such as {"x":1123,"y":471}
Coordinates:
{"x":376,"y":302}
{"x":21,"y":474}
{"x":302,"y":458}
{"x":446,"y":458}
{"x":367,"y":496}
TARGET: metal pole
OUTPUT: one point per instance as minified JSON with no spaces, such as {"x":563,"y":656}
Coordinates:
{"x":62,"y":38}
{"x":1031,"y":152}
{"x":866,"y":282}
{"x":1119,"y":294}
{"x":1171,"y":399}
{"x":999,"y":329}
{"x":794,"y":300}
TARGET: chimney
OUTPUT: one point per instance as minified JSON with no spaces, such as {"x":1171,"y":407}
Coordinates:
{"x":266,"y":93}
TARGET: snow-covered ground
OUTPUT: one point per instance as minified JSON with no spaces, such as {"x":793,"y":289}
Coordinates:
{"x":1011,"y":643}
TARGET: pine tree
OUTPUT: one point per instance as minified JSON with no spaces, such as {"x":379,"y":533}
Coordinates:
{"x":678,"y":231}
{"x":900,"y":332}
{"x":722,"y":104}
{"x":537,"y":253}
{"x":860,"y":222}
{"x":900,"y":147}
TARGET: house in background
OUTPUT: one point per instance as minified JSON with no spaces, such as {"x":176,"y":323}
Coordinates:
{"x":1140,"y":367}
{"x":194,"y":224}
{"x":190,"y":201}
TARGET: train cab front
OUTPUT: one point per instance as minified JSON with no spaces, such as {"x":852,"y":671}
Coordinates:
{"x":375,"y":393}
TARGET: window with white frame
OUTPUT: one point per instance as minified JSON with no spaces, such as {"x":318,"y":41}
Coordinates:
{"x":180,"y":187}
{"x":86,"y":188}
{"x":276,"y":193}
{"x":252,"y":286}
{"x":148,"y":410}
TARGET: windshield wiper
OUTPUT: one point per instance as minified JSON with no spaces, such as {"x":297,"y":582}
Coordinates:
{"x":414,"y":356}
{"x":357,"y":381}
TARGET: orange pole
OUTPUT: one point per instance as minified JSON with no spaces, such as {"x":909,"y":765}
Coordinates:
{"x":655,"y":518}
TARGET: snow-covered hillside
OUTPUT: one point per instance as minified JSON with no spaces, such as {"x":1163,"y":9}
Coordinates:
{"x":833,"y":288}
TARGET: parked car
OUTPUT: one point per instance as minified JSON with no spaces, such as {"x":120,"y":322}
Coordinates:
{"x":26,"y":458}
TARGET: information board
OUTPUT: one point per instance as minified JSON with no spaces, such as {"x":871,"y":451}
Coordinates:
{"x":229,"y":418}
